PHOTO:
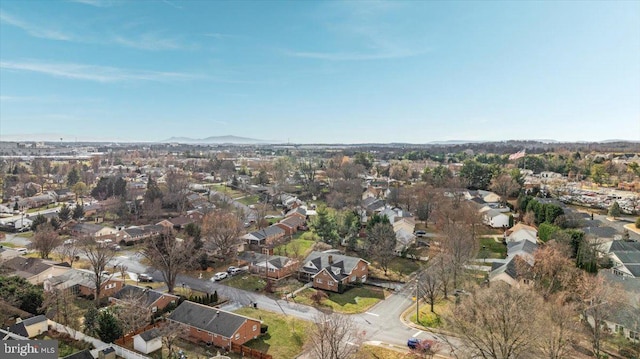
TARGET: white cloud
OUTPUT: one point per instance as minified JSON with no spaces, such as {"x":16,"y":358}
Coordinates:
{"x":104,"y":74}
{"x":149,"y":41}
{"x":96,"y":3}
{"x":33,"y":30}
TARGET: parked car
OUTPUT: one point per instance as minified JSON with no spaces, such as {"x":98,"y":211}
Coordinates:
{"x":219,"y":276}
{"x":235,"y":271}
{"x":144,"y":277}
{"x":231,"y":269}
{"x":21,"y":250}
{"x":421,"y":233}
{"x":420,"y":344}
{"x":104,"y":273}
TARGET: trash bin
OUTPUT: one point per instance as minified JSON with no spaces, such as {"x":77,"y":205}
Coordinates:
{"x":255,"y":305}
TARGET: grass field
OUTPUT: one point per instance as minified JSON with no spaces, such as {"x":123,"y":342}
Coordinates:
{"x":248,"y":200}
{"x":429,"y":319}
{"x":296,"y":247}
{"x":492,"y":249}
{"x":354,"y":300}
{"x":285,"y":337}
{"x":399,"y":269}
{"x":245,"y":281}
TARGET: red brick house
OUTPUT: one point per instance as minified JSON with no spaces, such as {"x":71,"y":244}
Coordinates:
{"x":332,"y":271}
{"x":154,"y":300}
{"x":215,"y":326}
{"x":291,"y":224}
{"x":265,"y":236}
{"x":82,"y":283}
{"x":278,"y":266}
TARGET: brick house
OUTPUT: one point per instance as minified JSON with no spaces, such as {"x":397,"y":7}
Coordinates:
{"x":291,"y":224}
{"x":278,"y":266}
{"x":215,"y":326}
{"x":333,"y":272}
{"x":154,"y":300}
{"x":82,"y":283}
{"x":34,"y":270}
{"x":265,"y":236}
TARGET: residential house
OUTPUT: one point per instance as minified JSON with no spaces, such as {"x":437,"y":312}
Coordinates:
{"x":373,"y":205}
{"x":92,"y":230}
{"x":148,"y":341}
{"x":30,"y":327}
{"x":138,"y":233}
{"x":495,"y":218}
{"x":333,"y":272}
{"x":153,"y":300}
{"x":265,"y":236}
{"x":82,"y":282}
{"x":268,"y":266}
{"x":215,"y":326}
{"x":83,"y":354}
{"x":507,"y":270}
{"x":626,"y":258}
{"x":34,"y":270}
{"x":291,"y":224}
{"x":404,"y":228}
{"x":624,"y":320}
{"x":182,"y":221}
{"x":64,"y":194}
{"x":521,"y":232}
{"x":299,"y":212}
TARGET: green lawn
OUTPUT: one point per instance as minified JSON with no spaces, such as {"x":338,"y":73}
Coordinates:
{"x":399,"y":269}
{"x":248,"y":200}
{"x":429,"y":319}
{"x":354,"y":300}
{"x":245,"y":281}
{"x":8,"y":244}
{"x":285,"y":337}
{"x":297,"y":246}
{"x":492,"y":249}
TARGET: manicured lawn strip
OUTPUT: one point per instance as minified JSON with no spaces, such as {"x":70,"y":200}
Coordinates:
{"x":429,"y":319}
{"x":354,"y":300}
{"x":8,"y":245}
{"x":368,"y":351}
{"x":285,"y":337}
{"x":253,"y":199}
{"x":305,"y":246}
{"x":493,"y":249}
{"x":399,"y":269}
{"x":245,"y":281}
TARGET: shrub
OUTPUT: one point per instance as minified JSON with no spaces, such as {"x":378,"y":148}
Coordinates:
{"x":638,"y":222}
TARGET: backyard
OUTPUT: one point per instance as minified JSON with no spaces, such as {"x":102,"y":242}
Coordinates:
{"x":285,"y":337}
{"x":490,"y":248}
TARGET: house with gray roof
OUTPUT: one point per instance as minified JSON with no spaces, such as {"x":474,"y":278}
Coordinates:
{"x":148,"y":341}
{"x":267,"y":265}
{"x":333,"y":271}
{"x":518,"y":254}
{"x":82,"y":282}
{"x":152,"y":299}
{"x":626,"y":258}
{"x":30,"y":327}
{"x":265,"y":236}
{"x":34,"y":270}
{"x":215,"y":326}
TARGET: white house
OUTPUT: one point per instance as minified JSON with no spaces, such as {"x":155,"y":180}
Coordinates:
{"x":521,"y":232}
{"x":495,"y":218}
{"x":148,"y":342}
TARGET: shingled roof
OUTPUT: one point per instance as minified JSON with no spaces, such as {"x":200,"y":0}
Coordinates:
{"x":209,"y":319}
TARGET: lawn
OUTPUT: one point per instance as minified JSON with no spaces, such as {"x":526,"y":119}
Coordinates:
{"x":245,"y":281}
{"x":296,"y":247}
{"x":429,"y":319}
{"x":354,"y":300}
{"x":492,"y":249}
{"x":7,"y":244}
{"x":399,"y":269}
{"x":285,"y":337}
{"x":248,"y":200}
{"x":368,"y":351}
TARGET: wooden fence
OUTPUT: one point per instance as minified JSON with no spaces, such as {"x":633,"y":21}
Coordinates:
{"x":246,"y":351}
{"x":128,"y":338}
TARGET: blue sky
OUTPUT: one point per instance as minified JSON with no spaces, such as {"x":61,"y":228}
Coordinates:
{"x":320,"y":72}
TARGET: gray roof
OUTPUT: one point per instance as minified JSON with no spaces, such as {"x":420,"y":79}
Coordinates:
{"x":624,"y":246}
{"x":21,"y":328}
{"x":600,"y":232}
{"x":88,"y":228}
{"x":525,"y":246}
{"x":83,"y":354}
{"x":209,"y":319}
{"x":320,"y":260}
{"x":626,"y":316}
{"x":150,"y":334}
{"x":268,"y":232}
{"x":27,"y":267}
{"x":150,"y":296}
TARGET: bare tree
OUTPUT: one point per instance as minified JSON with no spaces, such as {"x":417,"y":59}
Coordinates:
{"x":45,"y":240}
{"x":460,"y":246}
{"x":553,"y":271}
{"x":59,"y":304}
{"x":99,"y":256}
{"x":381,"y":244}
{"x":443,"y":266}
{"x":504,"y":185}
{"x":170,"y":332}
{"x":177,"y":186}
{"x":132,"y":312}
{"x":334,"y":336}
{"x":560,"y":329}
{"x":222,"y":231}
{"x":430,"y":286}
{"x":498,"y":322}
{"x":600,"y":301}
{"x":170,"y":256}
{"x":68,"y":252}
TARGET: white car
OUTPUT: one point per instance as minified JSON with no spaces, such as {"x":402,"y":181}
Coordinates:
{"x":219,"y":276}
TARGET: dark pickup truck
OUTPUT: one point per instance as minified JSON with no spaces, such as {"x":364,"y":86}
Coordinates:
{"x":420,"y":344}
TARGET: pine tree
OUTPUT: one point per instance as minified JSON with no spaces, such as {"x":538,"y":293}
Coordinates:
{"x":108,"y":327}
{"x":614,"y":210}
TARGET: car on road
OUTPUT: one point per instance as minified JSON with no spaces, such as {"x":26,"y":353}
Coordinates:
{"x":420,"y":344}
{"x":234,"y":270}
{"x":104,"y":273}
{"x":21,"y":250}
{"x":219,"y":276}
{"x":231,"y":269}
{"x":421,"y":233}
{"x":144,"y":277}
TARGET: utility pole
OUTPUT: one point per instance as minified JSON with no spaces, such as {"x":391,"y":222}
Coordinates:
{"x":417,"y":302}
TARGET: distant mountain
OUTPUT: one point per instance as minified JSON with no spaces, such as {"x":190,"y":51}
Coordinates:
{"x":214,"y":139}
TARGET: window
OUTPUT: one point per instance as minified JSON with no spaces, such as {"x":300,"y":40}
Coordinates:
{"x":237,"y":336}
{"x":154,"y":309}
{"x":318,"y":280}
{"x":634,"y":335}
{"x":353,"y":278}
{"x":330,"y":282}
{"x":109,"y":286}
{"x":255,"y":327}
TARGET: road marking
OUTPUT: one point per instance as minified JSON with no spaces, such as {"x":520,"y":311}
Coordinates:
{"x":417,"y":333}
{"x":374,"y":314}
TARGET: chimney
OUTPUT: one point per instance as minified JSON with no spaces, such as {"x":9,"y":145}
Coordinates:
{"x":330,"y":259}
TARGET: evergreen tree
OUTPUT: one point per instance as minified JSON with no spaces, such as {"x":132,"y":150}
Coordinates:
{"x":614,"y":210}
{"x":78,"y":212}
{"x":73,"y":177}
{"x":91,"y":321}
{"x":39,"y":220}
{"x":65,"y":213}
{"x":108,"y":327}
{"x":325,"y":226}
